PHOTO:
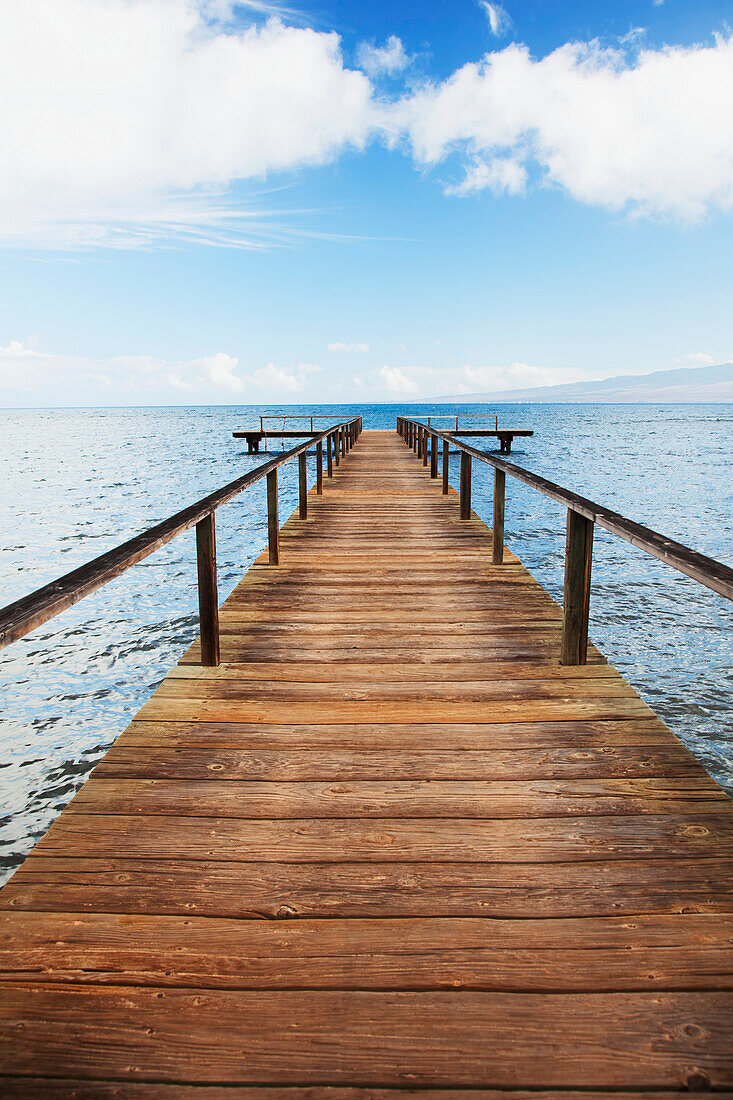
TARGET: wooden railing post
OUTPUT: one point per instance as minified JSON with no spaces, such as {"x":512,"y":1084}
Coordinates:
{"x":337,"y":447}
{"x":319,"y":467}
{"x":433,"y":455}
{"x":465,"y":486}
{"x":576,"y":597}
{"x":497,"y":556}
{"x":446,"y":454}
{"x":273,"y":522}
{"x":425,"y":442}
{"x":329,"y":457}
{"x":208,"y":600}
{"x":302,"y":485}
{"x":415,"y":437}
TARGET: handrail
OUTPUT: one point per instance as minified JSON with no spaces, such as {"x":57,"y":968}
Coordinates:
{"x":582,"y":515}
{"x":466,"y":416}
{"x":25,"y":614}
{"x":296,"y":416}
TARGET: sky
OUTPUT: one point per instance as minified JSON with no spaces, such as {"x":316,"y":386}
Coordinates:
{"x":205,"y":202}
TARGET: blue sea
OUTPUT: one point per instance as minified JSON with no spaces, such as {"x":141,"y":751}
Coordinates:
{"x":79,"y":481}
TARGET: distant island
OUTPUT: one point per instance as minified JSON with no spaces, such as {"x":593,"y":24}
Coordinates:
{"x":691,"y":385}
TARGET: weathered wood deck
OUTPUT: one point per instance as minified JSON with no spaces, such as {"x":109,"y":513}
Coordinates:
{"x":491,"y":871}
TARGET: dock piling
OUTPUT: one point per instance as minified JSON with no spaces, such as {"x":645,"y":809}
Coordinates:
{"x":302,"y":486}
{"x":273,"y":522}
{"x":497,"y":556}
{"x":465,"y":486}
{"x":576,"y":597}
{"x":208,"y":599}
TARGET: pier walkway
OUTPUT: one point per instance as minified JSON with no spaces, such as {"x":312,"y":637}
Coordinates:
{"x":390,"y":843}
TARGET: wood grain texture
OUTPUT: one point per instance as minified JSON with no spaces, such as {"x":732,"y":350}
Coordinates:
{"x":390,"y":846}
{"x":656,"y":1040}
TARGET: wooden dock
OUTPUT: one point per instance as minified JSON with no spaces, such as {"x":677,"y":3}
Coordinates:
{"x":389,"y":847}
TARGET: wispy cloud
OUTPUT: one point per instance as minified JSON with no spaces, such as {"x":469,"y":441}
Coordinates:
{"x":502,"y":176}
{"x":41,"y":377}
{"x":646,"y":134}
{"x":395,"y":381}
{"x":362,"y":348}
{"x":128,"y":120}
{"x":498,"y":17}
{"x":131,"y":122}
{"x":447,"y":381}
{"x":388,"y":59}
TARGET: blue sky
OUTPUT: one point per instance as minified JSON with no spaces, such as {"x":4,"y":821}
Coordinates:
{"x":215,"y":203}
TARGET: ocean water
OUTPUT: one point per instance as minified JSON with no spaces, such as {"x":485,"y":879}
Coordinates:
{"x":78,"y":482}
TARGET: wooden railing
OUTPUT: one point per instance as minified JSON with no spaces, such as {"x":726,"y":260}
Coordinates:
{"x":294,"y":416}
{"x":582,"y":515}
{"x":465,"y":416}
{"x":25,"y":614}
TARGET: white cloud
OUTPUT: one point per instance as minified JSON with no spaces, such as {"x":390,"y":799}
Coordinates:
{"x":47,"y":378}
{"x":701,"y":358}
{"x":395,"y":381}
{"x":497,"y":16}
{"x":651,"y":135}
{"x":378,"y":60}
{"x":362,"y":348}
{"x":466,"y":379}
{"x":122,"y":120}
{"x":502,"y":176}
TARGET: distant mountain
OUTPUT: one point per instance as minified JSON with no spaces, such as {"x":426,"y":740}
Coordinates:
{"x":697,"y":385}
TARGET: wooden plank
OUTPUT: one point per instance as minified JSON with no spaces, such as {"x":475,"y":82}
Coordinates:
{"x":390,"y":844}
{"x":623,"y":1039}
{"x":347,"y":890}
{"x":568,"y":839}
{"x":427,"y":798}
{"x":301,"y":763}
{"x":162,"y":708}
{"x":524,"y":956}
{"x":313,"y":673}
{"x":456,"y":737}
{"x":32,"y":1088}
{"x":230,"y":688}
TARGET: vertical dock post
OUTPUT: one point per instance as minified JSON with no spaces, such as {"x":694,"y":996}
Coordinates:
{"x":415,"y":437}
{"x":576,"y":597}
{"x":319,"y":467}
{"x":329,"y":457}
{"x":208,"y":599}
{"x":446,"y":454}
{"x":425,"y":444}
{"x":302,"y":486}
{"x":497,"y":556}
{"x":433,"y":455}
{"x":273,"y":522}
{"x":337,"y":446}
{"x":465,"y":486}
